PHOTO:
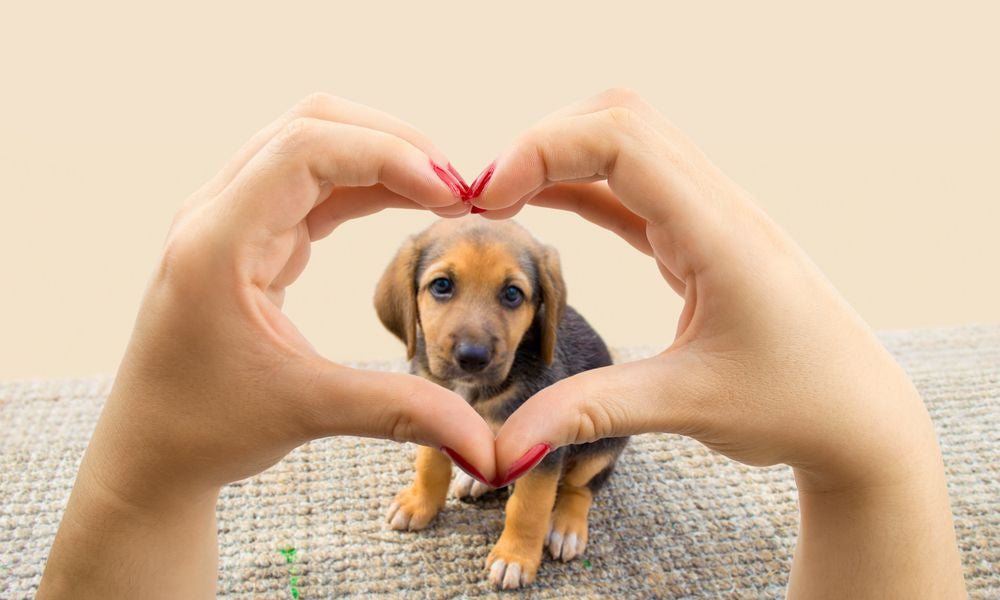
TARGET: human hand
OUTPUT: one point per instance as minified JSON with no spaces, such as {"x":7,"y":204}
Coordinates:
{"x":227,"y":384}
{"x":217,"y":384}
{"x":768,"y":364}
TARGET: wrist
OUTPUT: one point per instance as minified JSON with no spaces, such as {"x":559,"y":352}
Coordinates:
{"x":878,"y":541}
{"x":883,"y":438}
{"x":108,"y":544}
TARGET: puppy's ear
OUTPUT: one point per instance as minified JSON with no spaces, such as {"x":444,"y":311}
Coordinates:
{"x":396,"y":296}
{"x":553,"y":296}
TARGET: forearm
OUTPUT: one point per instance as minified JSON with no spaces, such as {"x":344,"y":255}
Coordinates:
{"x":109,"y":548}
{"x":896,"y":541}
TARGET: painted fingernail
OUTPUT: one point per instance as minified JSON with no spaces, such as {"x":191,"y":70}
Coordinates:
{"x":458,"y":190}
{"x":476,"y":210}
{"x":524,"y":464}
{"x":463,"y":464}
{"x":458,"y":177}
{"x":476,"y":187}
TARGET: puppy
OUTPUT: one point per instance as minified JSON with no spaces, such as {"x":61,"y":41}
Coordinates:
{"x":481,"y":307}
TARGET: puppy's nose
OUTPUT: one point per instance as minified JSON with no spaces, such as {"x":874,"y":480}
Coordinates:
{"x":472,"y":357}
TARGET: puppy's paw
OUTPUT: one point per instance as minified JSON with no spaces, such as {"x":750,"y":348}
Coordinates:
{"x":568,"y":535}
{"x":512,"y":565}
{"x":465,"y":486}
{"x":411,"y":511}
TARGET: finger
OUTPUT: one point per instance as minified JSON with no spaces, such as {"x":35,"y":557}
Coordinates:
{"x":508,"y":212}
{"x":405,"y":408}
{"x":327,"y":108}
{"x":631,"y":100}
{"x":653,"y":395}
{"x":613,"y":144}
{"x":293,"y":172}
{"x":596,"y":203}
{"x":344,"y":204}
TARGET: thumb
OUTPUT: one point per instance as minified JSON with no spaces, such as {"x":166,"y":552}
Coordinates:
{"x":651,"y":395}
{"x":400,"y":407}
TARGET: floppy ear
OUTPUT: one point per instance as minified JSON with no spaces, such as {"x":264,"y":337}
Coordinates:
{"x":396,"y":296}
{"x":553,"y":296}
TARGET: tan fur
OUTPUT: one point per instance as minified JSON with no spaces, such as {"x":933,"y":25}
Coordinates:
{"x":426,"y":497}
{"x":482,"y":259}
{"x":575,"y":498}
{"x":490,"y":408}
{"x":527,"y":522}
{"x":395,"y":298}
{"x":479,"y":271}
{"x":553,"y":295}
{"x":586,"y":468}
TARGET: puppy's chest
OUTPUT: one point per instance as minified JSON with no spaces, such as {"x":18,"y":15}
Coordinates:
{"x":495,"y":408}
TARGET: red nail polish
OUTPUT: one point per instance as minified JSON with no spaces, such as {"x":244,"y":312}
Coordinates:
{"x":476,"y":187}
{"x":458,"y":177}
{"x":457,"y":189}
{"x":463,"y":464}
{"x":476,"y":210}
{"x":524,"y":464}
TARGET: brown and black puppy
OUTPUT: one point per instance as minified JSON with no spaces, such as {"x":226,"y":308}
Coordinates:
{"x":481,"y":307}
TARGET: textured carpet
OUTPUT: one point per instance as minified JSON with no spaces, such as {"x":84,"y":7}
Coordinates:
{"x":675,"y":520}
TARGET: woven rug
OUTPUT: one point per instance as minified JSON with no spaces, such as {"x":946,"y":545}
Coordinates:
{"x":675,"y":521}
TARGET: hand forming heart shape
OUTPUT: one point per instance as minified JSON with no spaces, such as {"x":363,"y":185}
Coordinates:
{"x":768,"y":363}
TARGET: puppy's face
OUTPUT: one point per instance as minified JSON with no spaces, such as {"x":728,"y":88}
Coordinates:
{"x":475,"y":302}
{"x":473,"y":287}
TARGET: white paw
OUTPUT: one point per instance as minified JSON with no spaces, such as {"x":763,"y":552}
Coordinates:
{"x":398,"y":517}
{"x":564,"y":546}
{"x":508,"y":576}
{"x":465,"y":486}
{"x":410,"y":512}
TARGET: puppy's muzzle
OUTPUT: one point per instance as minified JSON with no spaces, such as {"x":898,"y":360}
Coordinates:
{"x":471,"y":357}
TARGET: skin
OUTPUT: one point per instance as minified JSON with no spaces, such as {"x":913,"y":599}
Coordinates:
{"x":769,"y":365}
{"x":217,"y":384}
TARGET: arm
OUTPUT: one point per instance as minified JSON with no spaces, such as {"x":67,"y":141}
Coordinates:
{"x":217,"y":384}
{"x":769,"y":364}
{"x":880,"y":541}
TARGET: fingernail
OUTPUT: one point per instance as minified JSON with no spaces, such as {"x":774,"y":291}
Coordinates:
{"x":463,"y":464}
{"x":458,"y":190}
{"x":458,"y":177}
{"x":476,"y":187}
{"x":525,"y":463}
{"x":476,"y":210}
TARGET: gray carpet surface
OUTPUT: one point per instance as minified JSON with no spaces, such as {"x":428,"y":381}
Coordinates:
{"x":675,"y":521}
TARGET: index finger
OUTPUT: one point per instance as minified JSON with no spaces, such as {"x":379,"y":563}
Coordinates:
{"x":596,"y":203}
{"x":328,"y":108}
{"x":282,"y":183}
{"x":642,"y":167}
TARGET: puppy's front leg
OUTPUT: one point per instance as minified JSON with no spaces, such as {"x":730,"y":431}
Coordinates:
{"x":418,"y":504}
{"x":514,"y":559}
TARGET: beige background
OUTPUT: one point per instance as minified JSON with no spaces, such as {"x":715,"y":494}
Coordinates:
{"x":871,"y":131}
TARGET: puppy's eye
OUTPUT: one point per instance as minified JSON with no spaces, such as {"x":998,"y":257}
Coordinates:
{"x":441,"y":287}
{"x":512,"y":296}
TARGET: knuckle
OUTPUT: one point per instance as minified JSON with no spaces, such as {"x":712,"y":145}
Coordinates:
{"x":392,"y":145}
{"x":401,"y":428}
{"x":316,"y":103}
{"x":296,"y":135}
{"x":182,"y":252}
{"x":621,"y":96}
{"x":592,"y":423}
{"x":535,"y":139}
{"x":400,"y":425}
{"x":623,"y":118}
